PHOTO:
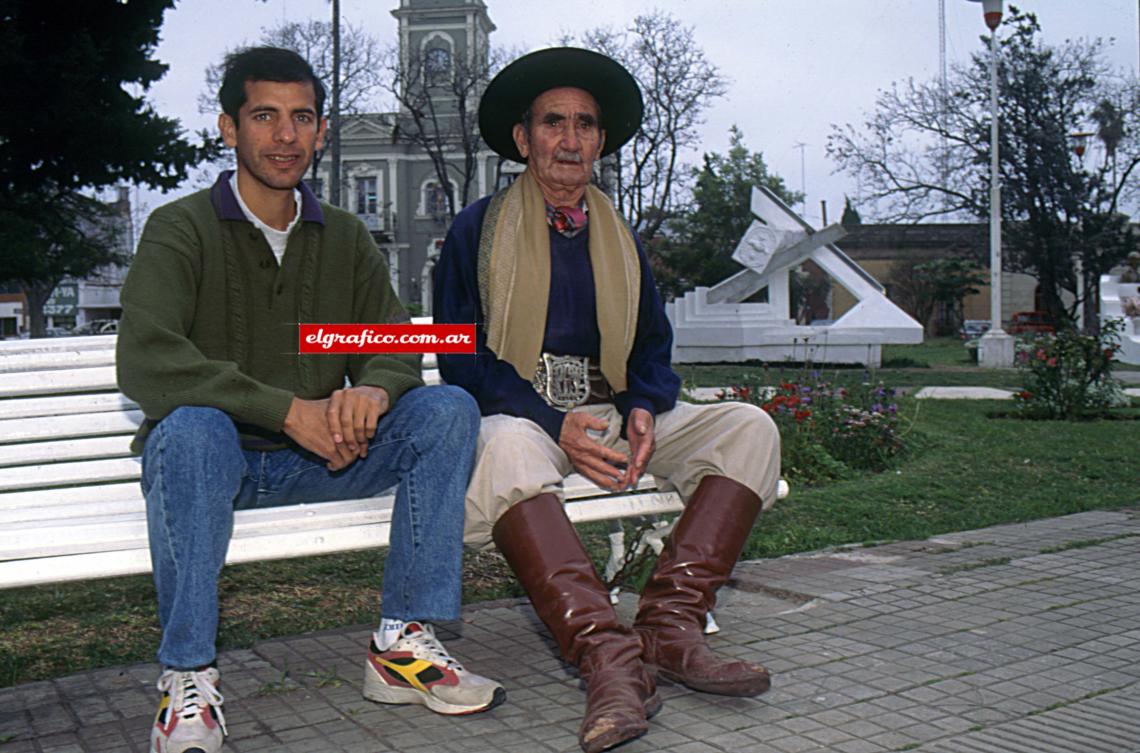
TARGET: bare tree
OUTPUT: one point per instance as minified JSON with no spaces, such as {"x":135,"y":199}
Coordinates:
{"x":361,"y":67}
{"x":678,"y":83}
{"x":438,"y":96}
{"x":362,"y":83}
{"x":1055,"y":208}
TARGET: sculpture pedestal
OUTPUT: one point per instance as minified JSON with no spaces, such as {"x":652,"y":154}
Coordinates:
{"x":1114,"y":293}
{"x":995,"y":350}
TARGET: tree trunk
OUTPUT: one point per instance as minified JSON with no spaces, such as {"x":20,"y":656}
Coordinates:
{"x":37,"y":294}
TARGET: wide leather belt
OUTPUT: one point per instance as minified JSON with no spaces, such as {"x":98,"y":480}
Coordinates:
{"x":565,"y":382}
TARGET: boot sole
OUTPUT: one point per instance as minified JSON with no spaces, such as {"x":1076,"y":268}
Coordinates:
{"x":737,"y":689}
{"x":612,"y":739}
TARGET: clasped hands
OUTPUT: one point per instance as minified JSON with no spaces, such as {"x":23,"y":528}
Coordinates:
{"x":609,"y":469}
{"x":339,"y":427}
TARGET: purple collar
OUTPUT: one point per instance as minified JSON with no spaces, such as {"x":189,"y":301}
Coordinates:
{"x":227,"y":208}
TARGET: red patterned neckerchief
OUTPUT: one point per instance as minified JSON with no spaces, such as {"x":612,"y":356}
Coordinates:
{"x":569,"y":221}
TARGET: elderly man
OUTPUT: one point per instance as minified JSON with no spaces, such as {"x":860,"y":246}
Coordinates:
{"x":572,"y":374}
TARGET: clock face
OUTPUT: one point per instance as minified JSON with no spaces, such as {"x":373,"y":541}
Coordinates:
{"x":437,"y":60}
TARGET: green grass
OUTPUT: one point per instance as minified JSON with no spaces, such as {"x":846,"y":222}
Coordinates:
{"x":966,"y":470}
{"x":939,"y":361}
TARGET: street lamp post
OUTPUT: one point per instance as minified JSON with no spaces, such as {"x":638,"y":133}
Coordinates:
{"x":995,"y":348}
{"x":1080,"y":142}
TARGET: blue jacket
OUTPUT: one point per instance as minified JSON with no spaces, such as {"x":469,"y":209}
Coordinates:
{"x":571,"y":328}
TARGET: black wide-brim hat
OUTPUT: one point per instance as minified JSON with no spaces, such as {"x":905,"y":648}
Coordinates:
{"x":511,"y":92}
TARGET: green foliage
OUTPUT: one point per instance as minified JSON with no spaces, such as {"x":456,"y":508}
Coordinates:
{"x":1069,"y":375}
{"x":699,"y":249}
{"x":850,"y":214}
{"x":74,"y":84}
{"x":919,"y":287}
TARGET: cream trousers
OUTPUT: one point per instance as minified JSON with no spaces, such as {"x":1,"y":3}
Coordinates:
{"x":517,"y":460}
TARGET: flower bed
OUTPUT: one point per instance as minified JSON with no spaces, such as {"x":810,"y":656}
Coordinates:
{"x":827,"y":431}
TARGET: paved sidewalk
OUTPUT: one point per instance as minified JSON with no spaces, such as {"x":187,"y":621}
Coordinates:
{"x":1019,"y":639}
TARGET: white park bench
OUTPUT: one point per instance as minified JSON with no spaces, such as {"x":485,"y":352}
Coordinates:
{"x":70,"y":503}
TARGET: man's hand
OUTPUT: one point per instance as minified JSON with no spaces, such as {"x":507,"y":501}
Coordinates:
{"x":352,"y":417}
{"x":306,"y":423}
{"x":593,"y":460}
{"x":642,"y":442}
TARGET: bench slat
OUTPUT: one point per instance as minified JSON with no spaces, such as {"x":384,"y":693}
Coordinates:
{"x":48,"y":514}
{"x":65,"y":405}
{"x":41,"y":361}
{"x":58,"y":382}
{"x":57,"y":344}
{"x":72,"y":495}
{"x":60,"y":427}
{"x":106,"y":532}
{"x":16,"y":573}
{"x":64,"y":450}
{"x":66,"y":474}
{"x":254,"y":547}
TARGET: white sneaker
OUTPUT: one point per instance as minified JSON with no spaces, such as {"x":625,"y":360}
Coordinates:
{"x":418,"y":669}
{"x":189,"y":718}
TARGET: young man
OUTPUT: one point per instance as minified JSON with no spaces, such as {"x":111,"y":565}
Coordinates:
{"x":235,"y":418}
{"x":572,"y":373}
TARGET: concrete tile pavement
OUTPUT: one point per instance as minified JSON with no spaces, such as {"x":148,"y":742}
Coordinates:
{"x":1020,"y":638}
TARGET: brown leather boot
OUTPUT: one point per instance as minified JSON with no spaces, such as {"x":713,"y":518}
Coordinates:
{"x":543,"y":549}
{"x":698,"y":557}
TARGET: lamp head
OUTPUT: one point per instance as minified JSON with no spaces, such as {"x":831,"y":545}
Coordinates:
{"x":992,"y":10}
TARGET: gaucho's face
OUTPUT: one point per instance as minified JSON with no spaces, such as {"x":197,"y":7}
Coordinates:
{"x":561,"y":141}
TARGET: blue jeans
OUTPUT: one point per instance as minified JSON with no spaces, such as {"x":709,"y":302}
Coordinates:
{"x":195,"y":474}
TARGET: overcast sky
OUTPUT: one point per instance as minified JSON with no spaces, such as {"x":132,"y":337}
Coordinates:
{"x":795,"y":67}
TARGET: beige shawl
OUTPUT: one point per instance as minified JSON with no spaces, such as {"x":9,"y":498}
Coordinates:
{"x":514,"y":278}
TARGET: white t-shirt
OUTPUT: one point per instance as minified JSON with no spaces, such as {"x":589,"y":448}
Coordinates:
{"x":277,"y":239}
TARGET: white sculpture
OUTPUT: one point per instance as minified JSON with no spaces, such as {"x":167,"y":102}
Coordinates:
{"x":712,"y":324}
{"x":1119,"y":300}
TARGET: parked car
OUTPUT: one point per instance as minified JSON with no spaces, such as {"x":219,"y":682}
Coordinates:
{"x":97,"y":327}
{"x":972,"y":329}
{"x":1030,"y":322}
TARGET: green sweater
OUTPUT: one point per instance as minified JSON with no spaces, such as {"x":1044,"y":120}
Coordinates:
{"x":209,"y":319}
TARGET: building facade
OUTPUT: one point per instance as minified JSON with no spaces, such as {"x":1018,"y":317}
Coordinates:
{"x":388,"y":179}
{"x":75,"y":303}
{"x":880,"y":248}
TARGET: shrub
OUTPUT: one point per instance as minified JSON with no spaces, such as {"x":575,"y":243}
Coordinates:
{"x":1068,"y":375}
{"x":828,"y":431}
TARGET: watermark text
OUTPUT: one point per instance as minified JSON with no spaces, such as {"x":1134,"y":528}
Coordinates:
{"x":386,"y":338}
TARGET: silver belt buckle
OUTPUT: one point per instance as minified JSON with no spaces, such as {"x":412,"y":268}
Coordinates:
{"x":563,"y":381}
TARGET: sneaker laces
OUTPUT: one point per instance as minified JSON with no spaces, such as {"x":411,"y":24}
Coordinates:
{"x":189,"y":691}
{"x":426,"y":646}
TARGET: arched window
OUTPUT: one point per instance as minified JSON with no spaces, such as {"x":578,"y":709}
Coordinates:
{"x":433,"y":199}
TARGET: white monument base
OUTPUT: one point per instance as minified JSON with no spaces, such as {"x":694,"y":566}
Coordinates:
{"x":1113,"y":294}
{"x":995,"y":350}
{"x":734,"y":332}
